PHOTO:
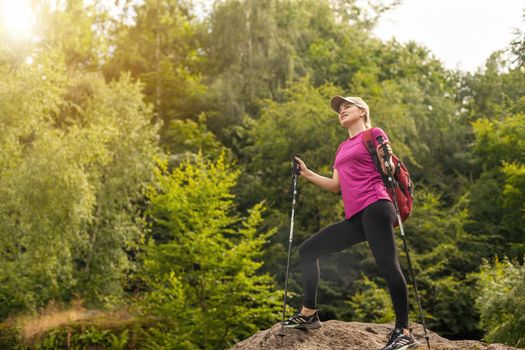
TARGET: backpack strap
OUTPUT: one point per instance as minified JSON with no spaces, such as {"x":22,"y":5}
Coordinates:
{"x":368,"y":140}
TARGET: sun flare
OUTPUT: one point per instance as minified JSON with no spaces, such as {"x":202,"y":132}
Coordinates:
{"x":16,"y":16}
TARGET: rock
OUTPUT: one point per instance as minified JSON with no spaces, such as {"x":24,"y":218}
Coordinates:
{"x":339,"y":335}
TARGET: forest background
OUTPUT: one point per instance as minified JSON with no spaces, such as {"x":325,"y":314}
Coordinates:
{"x":145,"y":166}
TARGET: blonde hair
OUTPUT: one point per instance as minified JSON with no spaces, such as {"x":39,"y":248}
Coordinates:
{"x":368,"y":122}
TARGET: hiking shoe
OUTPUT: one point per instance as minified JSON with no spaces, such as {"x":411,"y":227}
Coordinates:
{"x":398,"y":341}
{"x":300,"y":321}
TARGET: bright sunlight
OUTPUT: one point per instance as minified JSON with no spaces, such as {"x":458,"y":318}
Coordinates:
{"x":17,"y":17}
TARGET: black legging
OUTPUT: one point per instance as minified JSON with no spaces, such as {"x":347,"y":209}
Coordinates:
{"x":373,"y":224}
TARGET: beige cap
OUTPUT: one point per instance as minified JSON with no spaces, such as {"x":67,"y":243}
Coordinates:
{"x":358,"y":101}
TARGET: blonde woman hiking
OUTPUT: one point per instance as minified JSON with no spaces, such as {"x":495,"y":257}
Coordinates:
{"x":369,"y":216}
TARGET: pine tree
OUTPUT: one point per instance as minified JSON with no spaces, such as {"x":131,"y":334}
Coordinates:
{"x":202,"y":264}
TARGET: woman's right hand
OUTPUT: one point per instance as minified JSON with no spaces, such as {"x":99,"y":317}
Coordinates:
{"x":303,"y":167}
{"x":331,"y":184}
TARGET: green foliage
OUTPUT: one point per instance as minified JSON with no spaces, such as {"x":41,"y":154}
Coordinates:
{"x":501,"y":301}
{"x":159,"y":45}
{"x":517,"y":47}
{"x":443,"y":252}
{"x":513,"y":200}
{"x":495,"y":92}
{"x":10,"y":337}
{"x":499,"y":193}
{"x":119,"y":342}
{"x":76,"y":155}
{"x":188,"y":137}
{"x":251,"y":80}
{"x":300,"y":123}
{"x":74,"y":337}
{"x":256,"y":48}
{"x":201,"y":267}
{"x":499,"y":140}
{"x":69,"y":26}
{"x":371,"y":303}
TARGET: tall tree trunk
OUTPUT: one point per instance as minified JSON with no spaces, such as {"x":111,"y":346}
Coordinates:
{"x":157,"y":59}
{"x":249,"y":49}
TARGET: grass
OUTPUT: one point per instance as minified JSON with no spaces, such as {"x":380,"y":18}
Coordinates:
{"x":33,"y":328}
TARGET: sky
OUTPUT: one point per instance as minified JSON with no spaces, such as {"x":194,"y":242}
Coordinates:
{"x":461,"y":33}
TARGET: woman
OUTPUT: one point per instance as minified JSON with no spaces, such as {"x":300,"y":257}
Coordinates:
{"x":369,"y":216}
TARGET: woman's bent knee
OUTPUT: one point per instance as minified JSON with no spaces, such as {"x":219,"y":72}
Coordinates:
{"x":306,"y":251}
{"x":389,"y":269}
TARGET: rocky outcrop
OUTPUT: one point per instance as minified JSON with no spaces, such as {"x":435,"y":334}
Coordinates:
{"x":339,"y":335}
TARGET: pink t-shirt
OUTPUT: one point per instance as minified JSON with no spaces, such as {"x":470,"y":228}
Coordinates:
{"x":361,"y":184}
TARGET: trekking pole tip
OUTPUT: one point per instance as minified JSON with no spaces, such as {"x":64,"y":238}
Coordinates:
{"x":281,"y":333}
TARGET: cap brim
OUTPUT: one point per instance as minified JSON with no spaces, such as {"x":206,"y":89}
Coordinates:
{"x":336,"y":102}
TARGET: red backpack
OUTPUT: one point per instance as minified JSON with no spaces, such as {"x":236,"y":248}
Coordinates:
{"x":403,"y":185}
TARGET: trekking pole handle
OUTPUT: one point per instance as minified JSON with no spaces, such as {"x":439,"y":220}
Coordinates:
{"x":386,"y":155}
{"x":296,"y":167}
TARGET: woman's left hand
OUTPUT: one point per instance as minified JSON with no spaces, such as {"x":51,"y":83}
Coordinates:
{"x":380,"y":152}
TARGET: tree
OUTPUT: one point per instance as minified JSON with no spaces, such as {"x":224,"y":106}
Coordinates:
{"x":202,"y":265}
{"x":517,"y":46}
{"x":256,"y":48}
{"x":371,"y":303}
{"x":501,"y":301}
{"x":499,"y":192}
{"x":77,"y":153}
{"x":74,"y":28}
{"x":160,"y":46}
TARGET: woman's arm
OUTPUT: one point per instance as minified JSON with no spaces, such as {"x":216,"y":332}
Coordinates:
{"x":330,"y":184}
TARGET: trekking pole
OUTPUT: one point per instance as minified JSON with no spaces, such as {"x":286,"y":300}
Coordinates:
{"x":392,"y":187}
{"x":296,"y":170}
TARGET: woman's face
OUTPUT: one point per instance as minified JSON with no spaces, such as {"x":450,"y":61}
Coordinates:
{"x":349,"y":114}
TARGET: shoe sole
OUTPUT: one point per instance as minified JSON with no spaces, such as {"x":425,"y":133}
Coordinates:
{"x":313,"y":325}
{"x":410,"y":346}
